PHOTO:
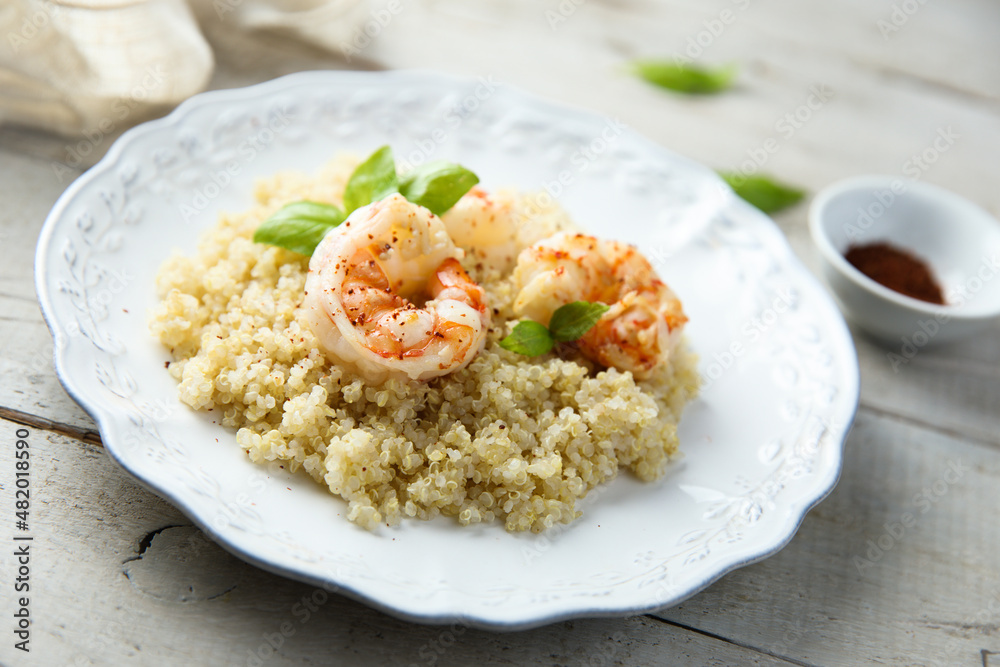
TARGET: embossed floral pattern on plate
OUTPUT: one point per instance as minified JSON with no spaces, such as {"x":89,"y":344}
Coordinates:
{"x":762,"y":444}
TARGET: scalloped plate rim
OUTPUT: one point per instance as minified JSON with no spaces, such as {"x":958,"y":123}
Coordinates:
{"x":106,"y":419}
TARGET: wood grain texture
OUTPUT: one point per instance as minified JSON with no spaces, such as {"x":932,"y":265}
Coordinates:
{"x":123,"y":578}
{"x":120,"y":576}
{"x":28,"y":188}
{"x":896,"y":565}
{"x":142,"y":577}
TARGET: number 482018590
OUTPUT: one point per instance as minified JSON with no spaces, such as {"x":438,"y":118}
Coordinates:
{"x":22,"y":467}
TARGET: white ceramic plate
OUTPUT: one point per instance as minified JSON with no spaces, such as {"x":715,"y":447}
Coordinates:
{"x":763,"y":443}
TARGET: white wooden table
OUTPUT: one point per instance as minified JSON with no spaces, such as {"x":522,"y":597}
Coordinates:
{"x":119,"y":576}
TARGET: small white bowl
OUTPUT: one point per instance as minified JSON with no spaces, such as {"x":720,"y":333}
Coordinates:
{"x":957,"y":239}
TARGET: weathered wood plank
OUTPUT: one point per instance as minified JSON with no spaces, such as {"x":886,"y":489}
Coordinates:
{"x":930,"y":597}
{"x":873,"y":122}
{"x":28,"y":188}
{"x":119,"y":575}
{"x":933,"y":598}
{"x":898,"y":566}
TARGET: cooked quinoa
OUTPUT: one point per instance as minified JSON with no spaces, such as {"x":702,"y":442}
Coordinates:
{"x":511,"y":438}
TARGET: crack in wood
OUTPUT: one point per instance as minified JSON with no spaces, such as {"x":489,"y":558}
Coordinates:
{"x":985,"y":628}
{"x":147,"y":540}
{"x":181,"y":553}
{"x":219,"y":595}
{"x":712,"y":635}
{"x":943,"y":430}
{"x":25,"y":419}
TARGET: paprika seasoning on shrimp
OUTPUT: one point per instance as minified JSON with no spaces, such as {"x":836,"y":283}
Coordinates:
{"x":896,"y":269}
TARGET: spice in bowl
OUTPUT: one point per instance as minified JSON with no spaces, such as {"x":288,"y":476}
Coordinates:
{"x":896,"y":269}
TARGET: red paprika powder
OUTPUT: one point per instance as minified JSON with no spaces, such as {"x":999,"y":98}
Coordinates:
{"x":897,"y":269}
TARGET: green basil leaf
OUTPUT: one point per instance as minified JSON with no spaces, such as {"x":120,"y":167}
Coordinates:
{"x":764,"y":193}
{"x":374,"y":179}
{"x":528,"y":338}
{"x":437,"y":185}
{"x":682,"y":78}
{"x":571,"y":321}
{"x":299,"y":227}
